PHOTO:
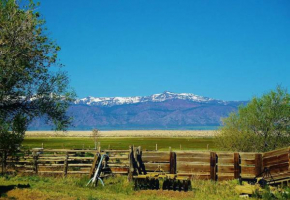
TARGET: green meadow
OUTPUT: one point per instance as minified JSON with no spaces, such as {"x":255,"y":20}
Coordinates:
{"x":121,"y":143}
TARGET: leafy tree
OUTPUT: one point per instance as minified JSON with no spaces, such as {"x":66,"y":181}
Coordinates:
{"x":32,"y":83}
{"x":262,"y":125}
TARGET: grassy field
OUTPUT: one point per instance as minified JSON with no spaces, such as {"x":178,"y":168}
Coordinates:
{"x":118,"y":188}
{"x":115,"y":188}
{"x":121,"y":143}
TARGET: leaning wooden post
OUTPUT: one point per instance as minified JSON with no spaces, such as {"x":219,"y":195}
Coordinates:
{"x":65,"y":165}
{"x":237,"y":168}
{"x":172,"y":162}
{"x":131,"y":166}
{"x":213,"y":161}
{"x":258,"y":164}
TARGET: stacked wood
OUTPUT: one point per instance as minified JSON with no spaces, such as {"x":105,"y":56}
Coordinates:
{"x":196,"y":165}
{"x":250,"y":165}
{"x":278,"y":164}
{"x":156,"y":161}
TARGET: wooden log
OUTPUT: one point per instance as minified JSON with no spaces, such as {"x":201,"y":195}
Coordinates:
{"x":213,"y":166}
{"x":172,"y":163}
{"x":237,"y":168}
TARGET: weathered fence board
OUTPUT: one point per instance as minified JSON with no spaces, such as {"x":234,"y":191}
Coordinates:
{"x":194,"y":164}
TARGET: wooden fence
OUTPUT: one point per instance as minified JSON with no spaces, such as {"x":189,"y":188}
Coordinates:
{"x":194,"y":164}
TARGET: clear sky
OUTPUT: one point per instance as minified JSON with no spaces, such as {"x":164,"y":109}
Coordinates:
{"x":230,"y":50}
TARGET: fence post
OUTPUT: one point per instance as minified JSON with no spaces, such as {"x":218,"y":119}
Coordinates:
{"x":131,"y":166}
{"x":237,"y":168}
{"x":65,"y":165}
{"x":258,"y":163}
{"x":35,"y":164}
{"x":2,"y":162}
{"x":213,"y":161}
{"x":172,"y":162}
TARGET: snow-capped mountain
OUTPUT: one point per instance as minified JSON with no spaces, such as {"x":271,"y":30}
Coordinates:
{"x":113,"y":101}
{"x":159,"y":111}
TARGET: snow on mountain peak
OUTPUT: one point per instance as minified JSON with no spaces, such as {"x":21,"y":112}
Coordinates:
{"x":112,"y":101}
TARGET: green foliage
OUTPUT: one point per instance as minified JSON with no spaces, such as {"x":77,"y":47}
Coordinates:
{"x":262,"y":125}
{"x":31,"y":82}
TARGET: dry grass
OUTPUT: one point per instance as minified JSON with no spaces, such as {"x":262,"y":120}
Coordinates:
{"x":125,"y":133}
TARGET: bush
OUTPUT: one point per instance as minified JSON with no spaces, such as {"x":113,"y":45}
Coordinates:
{"x":262,"y":125}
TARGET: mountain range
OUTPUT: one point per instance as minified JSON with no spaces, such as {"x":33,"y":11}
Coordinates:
{"x":166,"y":110}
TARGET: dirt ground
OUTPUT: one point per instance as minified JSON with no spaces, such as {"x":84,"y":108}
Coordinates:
{"x":125,"y":133}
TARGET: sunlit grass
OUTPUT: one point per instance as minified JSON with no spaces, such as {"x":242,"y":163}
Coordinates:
{"x":122,"y":143}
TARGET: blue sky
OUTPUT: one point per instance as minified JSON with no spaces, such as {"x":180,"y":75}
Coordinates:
{"x":230,"y":50}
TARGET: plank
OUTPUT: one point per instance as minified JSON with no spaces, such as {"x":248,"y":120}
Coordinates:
{"x":192,"y":167}
{"x":79,"y":165}
{"x":225,"y":176}
{"x":155,"y":166}
{"x":119,"y":170}
{"x":247,"y":162}
{"x":225,"y":161}
{"x":276,"y":159}
{"x":249,"y":155}
{"x":51,"y":172}
{"x":164,"y":158}
{"x":81,"y":158}
{"x":224,"y":155}
{"x":276,"y":152}
{"x":196,"y":176}
{"x":248,"y":170}
{"x":78,"y":172}
{"x":225,"y":169}
{"x":193,"y":159}
{"x":192,"y":154}
{"x":158,"y":154}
